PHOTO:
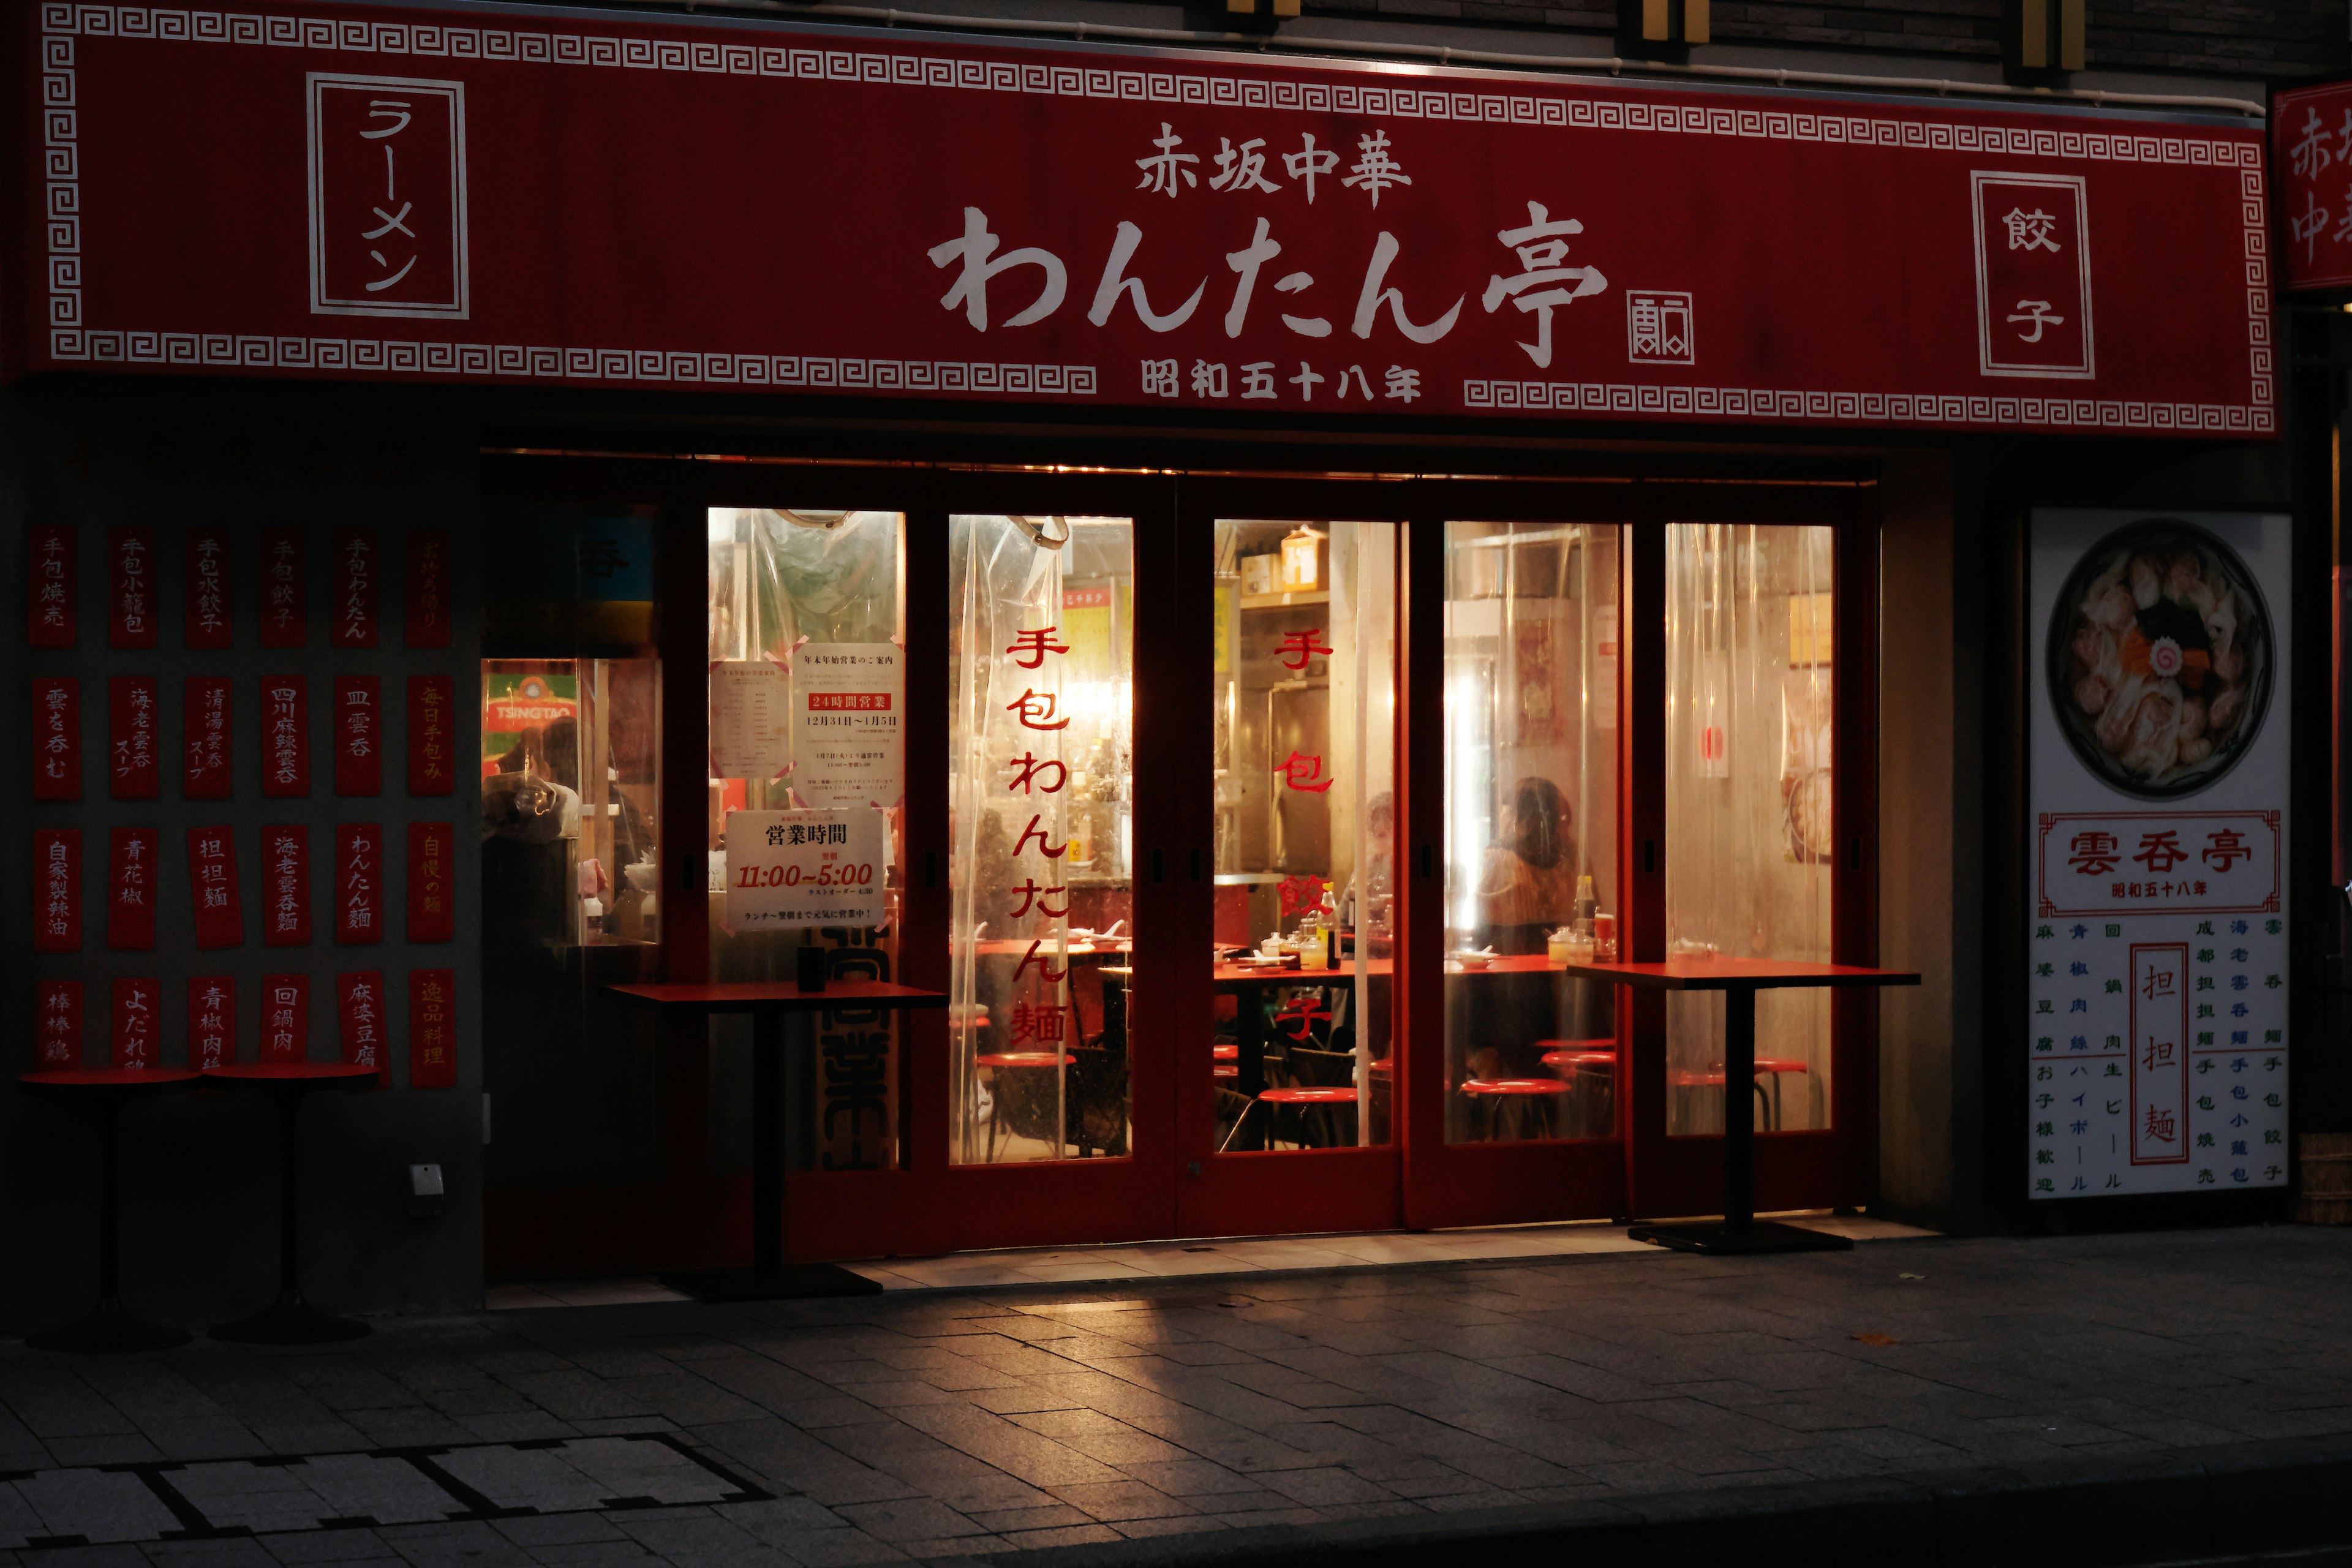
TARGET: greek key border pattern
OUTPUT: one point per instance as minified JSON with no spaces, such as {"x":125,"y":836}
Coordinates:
{"x":1868,"y":407}
{"x":398,"y":357}
{"x":71,"y":339}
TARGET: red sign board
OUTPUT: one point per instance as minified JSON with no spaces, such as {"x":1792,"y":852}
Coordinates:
{"x":285,"y":1018}
{"x":131,"y":591}
{"x":432,"y":1029}
{"x":134,"y":770}
{"x":57,"y":890}
{"x":1077,"y":224}
{"x":2311,"y":149}
{"x":285,"y":736}
{"x":207,"y":602}
{"x":131,"y":888}
{"x":50,"y":582}
{"x":138,"y":1011}
{"x":212,"y":884}
{"x":355,"y":578}
{"x":286,"y":886}
{"x":56,"y":1023}
{"x":212,"y":1020}
{"x":432,"y":734}
{"x":432,"y":881}
{"x":284,"y":610}
{"x":427,"y":588}
{"x":56,"y":738}
{"x":204,"y":772}
{"x":359,"y":726}
{"x":359,"y":882}
{"x":359,"y":1021}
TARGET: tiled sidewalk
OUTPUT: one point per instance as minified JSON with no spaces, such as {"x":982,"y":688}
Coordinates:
{"x":938,"y":1423}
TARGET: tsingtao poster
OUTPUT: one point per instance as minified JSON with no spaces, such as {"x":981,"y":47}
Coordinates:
{"x":2159,"y":753}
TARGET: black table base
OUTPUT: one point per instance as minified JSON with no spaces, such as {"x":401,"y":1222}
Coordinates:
{"x":785,"y":1282}
{"x":1721,"y":1239}
{"x":290,"y":1320}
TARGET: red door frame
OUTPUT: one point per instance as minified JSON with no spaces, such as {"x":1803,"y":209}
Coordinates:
{"x":1173,"y":1185}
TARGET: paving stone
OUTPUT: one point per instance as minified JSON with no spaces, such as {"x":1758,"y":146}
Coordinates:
{"x":99,"y":1506}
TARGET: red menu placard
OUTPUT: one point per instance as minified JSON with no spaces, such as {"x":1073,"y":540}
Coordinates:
{"x":432,"y":894}
{"x":359,"y":882}
{"x":285,"y":736}
{"x":359,"y":1009}
{"x":212,"y":1020}
{"x":207,"y":604}
{"x":283,"y":614}
{"x":56,"y":738}
{"x":131,"y":888}
{"x":57,"y":1024}
{"x":131,"y":587}
{"x":285,"y":1018}
{"x":204,"y":769}
{"x":50,"y":584}
{"x":432,"y":1029}
{"x":359,"y":734}
{"x":57,"y":890}
{"x":133,"y":757}
{"x":355,"y":590}
{"x":138,"y":1004}
{"x":426,"y":595}
{"x":212,"y":882}
{"x":432,"y":734}
{"x":286,"y":886}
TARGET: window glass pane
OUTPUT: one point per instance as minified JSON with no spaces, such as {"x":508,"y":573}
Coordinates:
{"x":1305,"y":779}
{"x":805,"y":615}
{"x":1747,"y":805}
{"x":1531,"y":734}
{"x":1041,"y":616}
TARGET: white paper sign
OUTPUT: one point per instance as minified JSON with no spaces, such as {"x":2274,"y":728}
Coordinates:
{"x":2158,"y":993}
{"x":751,"y":720}
{"x":789,"y":869}
{"x":848,"y":701}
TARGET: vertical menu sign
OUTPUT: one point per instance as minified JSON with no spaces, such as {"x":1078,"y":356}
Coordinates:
{"x":2158,"y":1023}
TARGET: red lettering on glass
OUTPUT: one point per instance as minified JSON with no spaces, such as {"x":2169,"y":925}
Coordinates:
{"x":1305,"y":645}
{"x":1030,"y":893}
{"x":1045,"y":967}
{"x":1030,"y":648}
{"x":1043,"y":847}
{"x":1300,"y":771}
{"x":1033,"y":709}
{"x":1032,"y":773}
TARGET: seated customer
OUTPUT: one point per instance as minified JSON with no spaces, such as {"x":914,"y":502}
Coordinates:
{"x":1527,"y":884}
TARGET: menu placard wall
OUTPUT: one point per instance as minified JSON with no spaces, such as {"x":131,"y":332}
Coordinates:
{"x":2159,"y":752}
{"x":238,"y":507}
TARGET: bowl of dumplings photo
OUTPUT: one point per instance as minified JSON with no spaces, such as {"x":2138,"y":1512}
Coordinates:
{"x":2160,"y":660}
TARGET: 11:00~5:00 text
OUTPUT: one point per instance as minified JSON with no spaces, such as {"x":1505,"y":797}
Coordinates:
{"x":796,"y":877}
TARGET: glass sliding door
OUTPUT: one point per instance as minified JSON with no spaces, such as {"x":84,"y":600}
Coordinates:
{"x":1530,"y":781}
{"x":1302,"y":776}
{"x":1041,"y":745}
{"x":1749,"y":774}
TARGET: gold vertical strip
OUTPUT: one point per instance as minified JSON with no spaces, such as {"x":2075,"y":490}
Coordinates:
{"x":2032,"y":42}
{"x":1694,"y":21}
{"x":2071,"y":16}
{"x":1655,"y":28}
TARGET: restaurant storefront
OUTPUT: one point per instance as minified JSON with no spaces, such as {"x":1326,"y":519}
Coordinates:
{"x":1235,"y":570}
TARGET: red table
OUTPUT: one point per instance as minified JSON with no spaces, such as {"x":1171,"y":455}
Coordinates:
{"x":290,"y":1320}
{"x":109,"y":1326}
{"x":772,"y":1005}
{"x":1738,"y":979}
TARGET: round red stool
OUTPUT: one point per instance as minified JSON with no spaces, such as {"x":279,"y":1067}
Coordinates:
{"x":290,"y":1320}
{"x":1772,"y":1067}
{"x":1305,"y":1099}
{"x":1492,"y":1092}
{"x":109,"y":1326}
